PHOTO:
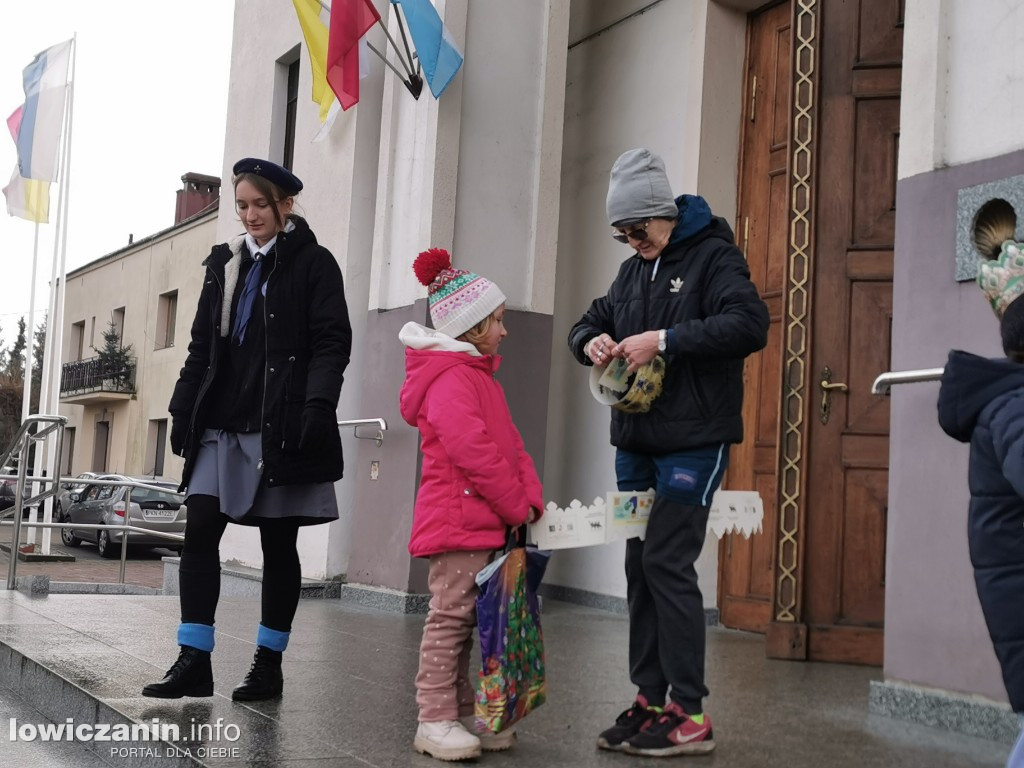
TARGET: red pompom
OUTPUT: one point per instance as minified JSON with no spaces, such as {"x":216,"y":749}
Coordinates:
{"x":429,"y":263}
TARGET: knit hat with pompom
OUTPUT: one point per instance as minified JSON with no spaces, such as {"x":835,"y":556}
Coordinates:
{"x":458,"y":299}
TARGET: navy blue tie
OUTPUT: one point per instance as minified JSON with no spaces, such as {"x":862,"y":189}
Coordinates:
{"x":245,"y":302}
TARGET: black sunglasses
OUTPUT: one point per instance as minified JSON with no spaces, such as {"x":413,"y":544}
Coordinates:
{"x":639,"y":234}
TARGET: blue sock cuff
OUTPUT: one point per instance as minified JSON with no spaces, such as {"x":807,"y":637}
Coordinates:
{"x":273,"y":639}
{"x":196,"y":635}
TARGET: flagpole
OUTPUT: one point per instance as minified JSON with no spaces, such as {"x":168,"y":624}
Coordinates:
{"x":58,"y":320}
{"x":394,"y":45}
{"x":45,"y":404}
{"x":405,"y":40}
{"x":54,"y":318}
{"x":384,"y":58}
{"x":26,"y":392}
{"x":413,"y":82}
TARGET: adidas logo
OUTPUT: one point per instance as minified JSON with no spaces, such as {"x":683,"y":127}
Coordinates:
{"x":677,"y":284}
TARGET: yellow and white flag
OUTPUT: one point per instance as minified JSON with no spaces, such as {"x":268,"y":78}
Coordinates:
{"x":28,"y":198}
{"x":314,"y":21}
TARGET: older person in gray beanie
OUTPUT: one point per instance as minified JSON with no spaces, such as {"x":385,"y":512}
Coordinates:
{"x":684,"y":295}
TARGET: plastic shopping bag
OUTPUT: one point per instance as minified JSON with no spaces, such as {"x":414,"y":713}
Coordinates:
{"x":511,"y":682}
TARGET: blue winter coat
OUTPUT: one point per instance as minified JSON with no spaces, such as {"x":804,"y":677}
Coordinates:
{"x":982,"y":401}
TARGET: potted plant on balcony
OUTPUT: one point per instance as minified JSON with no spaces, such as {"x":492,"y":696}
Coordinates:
{"x":115,"y":361}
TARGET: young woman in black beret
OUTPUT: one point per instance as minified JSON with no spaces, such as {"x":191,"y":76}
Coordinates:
{"x":254,"y":415}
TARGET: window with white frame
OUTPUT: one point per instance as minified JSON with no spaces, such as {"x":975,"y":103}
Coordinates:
{"x":117,"y":317}
{"x":284,"y":107}
{"x":156,"y":447}
{"x":166,"y":314}
{"x":77,"y":340}
{"x":67,"y":451}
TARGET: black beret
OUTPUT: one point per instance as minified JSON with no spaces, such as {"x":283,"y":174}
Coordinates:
{"x":272,"y":172}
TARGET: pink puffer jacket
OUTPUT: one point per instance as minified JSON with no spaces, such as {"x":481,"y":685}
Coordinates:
{"x":476,"y":478}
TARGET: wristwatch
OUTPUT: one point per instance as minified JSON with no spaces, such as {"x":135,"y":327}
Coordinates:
{"x":662,"y":340}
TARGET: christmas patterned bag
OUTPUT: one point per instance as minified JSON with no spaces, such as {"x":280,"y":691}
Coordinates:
{"x":511,"y":682}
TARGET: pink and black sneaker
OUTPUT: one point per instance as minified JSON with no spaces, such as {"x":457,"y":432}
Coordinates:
{"x":627,"y":724}
{"x":673,"y":732}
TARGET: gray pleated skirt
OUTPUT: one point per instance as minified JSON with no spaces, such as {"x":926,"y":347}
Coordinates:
{"x":228,"y":466}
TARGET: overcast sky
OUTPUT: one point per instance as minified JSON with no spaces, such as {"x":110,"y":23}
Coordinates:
{"x":150,"y":105}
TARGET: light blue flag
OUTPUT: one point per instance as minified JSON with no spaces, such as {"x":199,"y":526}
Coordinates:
{"x":435,"y":47}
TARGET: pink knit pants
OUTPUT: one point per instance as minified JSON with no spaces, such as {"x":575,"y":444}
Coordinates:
{"x":444,"y":689}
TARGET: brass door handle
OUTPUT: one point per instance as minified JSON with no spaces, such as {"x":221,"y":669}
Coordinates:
{"x":827,"y":385}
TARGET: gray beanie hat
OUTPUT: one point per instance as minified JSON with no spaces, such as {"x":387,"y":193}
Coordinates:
{"x":639,"y":188}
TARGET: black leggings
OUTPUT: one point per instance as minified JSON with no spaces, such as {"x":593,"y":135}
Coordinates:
{"x":199,"y":573}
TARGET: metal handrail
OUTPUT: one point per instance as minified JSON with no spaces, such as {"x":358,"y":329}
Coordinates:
{"x":884,"y":381}
{"x":116,"y":483}
{"x":54,"y":421}
{"x":356,"y":423}
{"x":31,"y":501}
{"x":126,"y":527}
{"x":22,"y":440}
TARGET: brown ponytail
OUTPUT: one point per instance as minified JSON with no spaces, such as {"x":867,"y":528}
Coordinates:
{"x":995,"y":223}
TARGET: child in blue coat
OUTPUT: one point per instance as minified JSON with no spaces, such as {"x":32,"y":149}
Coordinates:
{"x":981,"y":401}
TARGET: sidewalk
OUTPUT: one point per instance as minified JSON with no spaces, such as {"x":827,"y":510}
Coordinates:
{"x":349,"y":699}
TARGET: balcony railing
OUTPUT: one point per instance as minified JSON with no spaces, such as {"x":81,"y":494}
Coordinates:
{"x":81,"y":377}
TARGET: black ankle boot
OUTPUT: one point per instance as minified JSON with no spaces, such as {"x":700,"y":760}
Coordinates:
{"x":264,"y":680}
{"x":190,"y":675}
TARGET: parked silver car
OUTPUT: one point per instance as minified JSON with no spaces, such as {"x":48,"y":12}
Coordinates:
{"x":151,"y":510}
{"x":69,"y":486}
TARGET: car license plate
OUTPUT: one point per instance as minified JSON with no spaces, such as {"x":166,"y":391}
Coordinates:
{"x":159,"y":514}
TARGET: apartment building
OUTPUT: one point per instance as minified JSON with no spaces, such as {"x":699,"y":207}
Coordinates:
{"x":146,"y":293}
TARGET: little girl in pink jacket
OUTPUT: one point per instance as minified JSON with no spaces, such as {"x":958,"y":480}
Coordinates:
{"x":476,"y":481}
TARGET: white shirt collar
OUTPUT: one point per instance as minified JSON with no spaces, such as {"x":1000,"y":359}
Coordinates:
{"x":259,"y":251}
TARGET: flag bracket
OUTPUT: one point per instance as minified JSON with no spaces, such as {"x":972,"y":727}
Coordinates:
{"x":415,"y":86}
{"x":414,"y":82}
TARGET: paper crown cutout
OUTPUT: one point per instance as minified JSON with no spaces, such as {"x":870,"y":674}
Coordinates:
{"x":1002,"y":279}
{"x":634,"y":394}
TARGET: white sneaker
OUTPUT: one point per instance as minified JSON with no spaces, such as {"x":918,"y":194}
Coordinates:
{"x":490,"y":742}
{"x":446,"y":740}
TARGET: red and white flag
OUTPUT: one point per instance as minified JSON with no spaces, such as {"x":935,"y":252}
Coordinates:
{"x":350,"y":20}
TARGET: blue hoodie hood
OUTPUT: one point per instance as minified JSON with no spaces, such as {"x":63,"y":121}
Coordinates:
{"x":969,"y":384}
{"x":694,"y":215}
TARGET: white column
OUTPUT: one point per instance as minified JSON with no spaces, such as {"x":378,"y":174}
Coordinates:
{"x":417,"y":174}
{"x":547,"y":171}
{"x":925,"y":87}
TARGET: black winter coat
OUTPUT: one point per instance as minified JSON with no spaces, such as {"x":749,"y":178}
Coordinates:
{"x":308,"y":340}
{"x":702,"y":290}
{"x":981,"y":401}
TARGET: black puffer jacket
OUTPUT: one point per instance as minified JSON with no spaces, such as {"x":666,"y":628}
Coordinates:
{"x":309,"y":341}
{"x":981,"y":401}
{"x":702,"y":290}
